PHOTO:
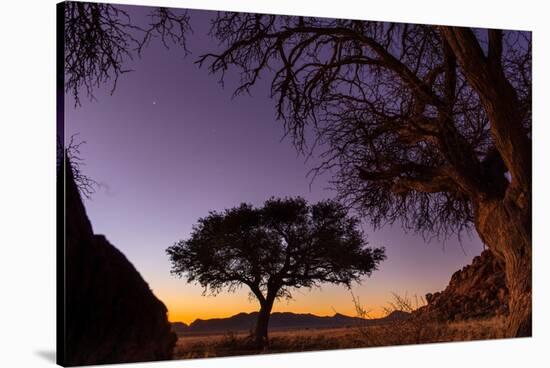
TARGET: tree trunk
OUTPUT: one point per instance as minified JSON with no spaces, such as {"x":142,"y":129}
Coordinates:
{"x":503,"y":222}
{"x":518,"y":279}
{"x":505,"y":226}
{"x":260,"y":335}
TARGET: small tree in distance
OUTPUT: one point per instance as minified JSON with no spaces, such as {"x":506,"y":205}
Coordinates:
{"x":284,"y":245}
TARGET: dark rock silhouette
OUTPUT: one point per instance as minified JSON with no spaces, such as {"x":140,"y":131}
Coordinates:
{"x":111,"y":314}
{"x":278,"y":321}
{"x":477,"y":290}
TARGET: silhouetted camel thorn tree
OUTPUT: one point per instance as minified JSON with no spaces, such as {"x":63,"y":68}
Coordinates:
{"x":426,"y":125}
{"x":99,"y":38}
{"x":286,"y":244}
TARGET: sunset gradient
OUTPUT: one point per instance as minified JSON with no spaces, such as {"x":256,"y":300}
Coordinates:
{"x":170,"y":145}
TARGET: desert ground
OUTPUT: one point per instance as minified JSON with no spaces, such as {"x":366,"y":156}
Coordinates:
{"x":413,"y":331}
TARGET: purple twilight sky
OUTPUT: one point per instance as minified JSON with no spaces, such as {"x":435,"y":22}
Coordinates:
{"x":170,"y":145}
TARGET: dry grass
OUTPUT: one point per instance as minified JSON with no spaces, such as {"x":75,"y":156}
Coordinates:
{"x":415,"y":332}
{"x":419,"y":329}
{"x":395,"y":333}
{"x":406,"y":331}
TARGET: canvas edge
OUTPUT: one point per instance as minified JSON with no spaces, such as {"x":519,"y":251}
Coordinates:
{"x":60,"y":188}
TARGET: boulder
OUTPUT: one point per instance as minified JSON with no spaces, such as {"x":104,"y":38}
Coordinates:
{"x":476,"y":291}
{"x":111,"y":315}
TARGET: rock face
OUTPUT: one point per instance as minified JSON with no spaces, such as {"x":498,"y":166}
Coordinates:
{"x":476,"y":291}
{"x":111,"y":315}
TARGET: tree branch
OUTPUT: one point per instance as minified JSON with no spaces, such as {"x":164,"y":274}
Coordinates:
{"x":497,"y":96}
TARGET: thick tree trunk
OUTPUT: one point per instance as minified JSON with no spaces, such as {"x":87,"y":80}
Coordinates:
{"x":505,"y":226}
{"x":518,"y":279}
{"x":503,"y":221}
{"x":260,"y":335}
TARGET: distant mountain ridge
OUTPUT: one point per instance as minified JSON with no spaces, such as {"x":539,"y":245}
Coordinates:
{"x":277,"y":321}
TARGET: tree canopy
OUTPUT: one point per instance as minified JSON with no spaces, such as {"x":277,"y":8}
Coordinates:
{"x":286,"y":242}
{"x":406,"y":131}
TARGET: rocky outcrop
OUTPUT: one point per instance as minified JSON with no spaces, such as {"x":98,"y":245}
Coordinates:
{"x":111,"y":315}
{"x":477,"y":290}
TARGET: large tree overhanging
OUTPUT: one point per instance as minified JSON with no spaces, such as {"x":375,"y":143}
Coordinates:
{"x":284,"y":245}
{"x":427,"y":125}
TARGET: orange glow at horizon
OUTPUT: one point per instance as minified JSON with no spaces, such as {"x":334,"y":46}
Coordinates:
{"x":190,"y":304}
{"x":188,"y":315}
{"x":400,"y":274}
{"x":188,"y":318}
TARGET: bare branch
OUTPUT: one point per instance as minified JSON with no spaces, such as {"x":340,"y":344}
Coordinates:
{"x":101,"y":38}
